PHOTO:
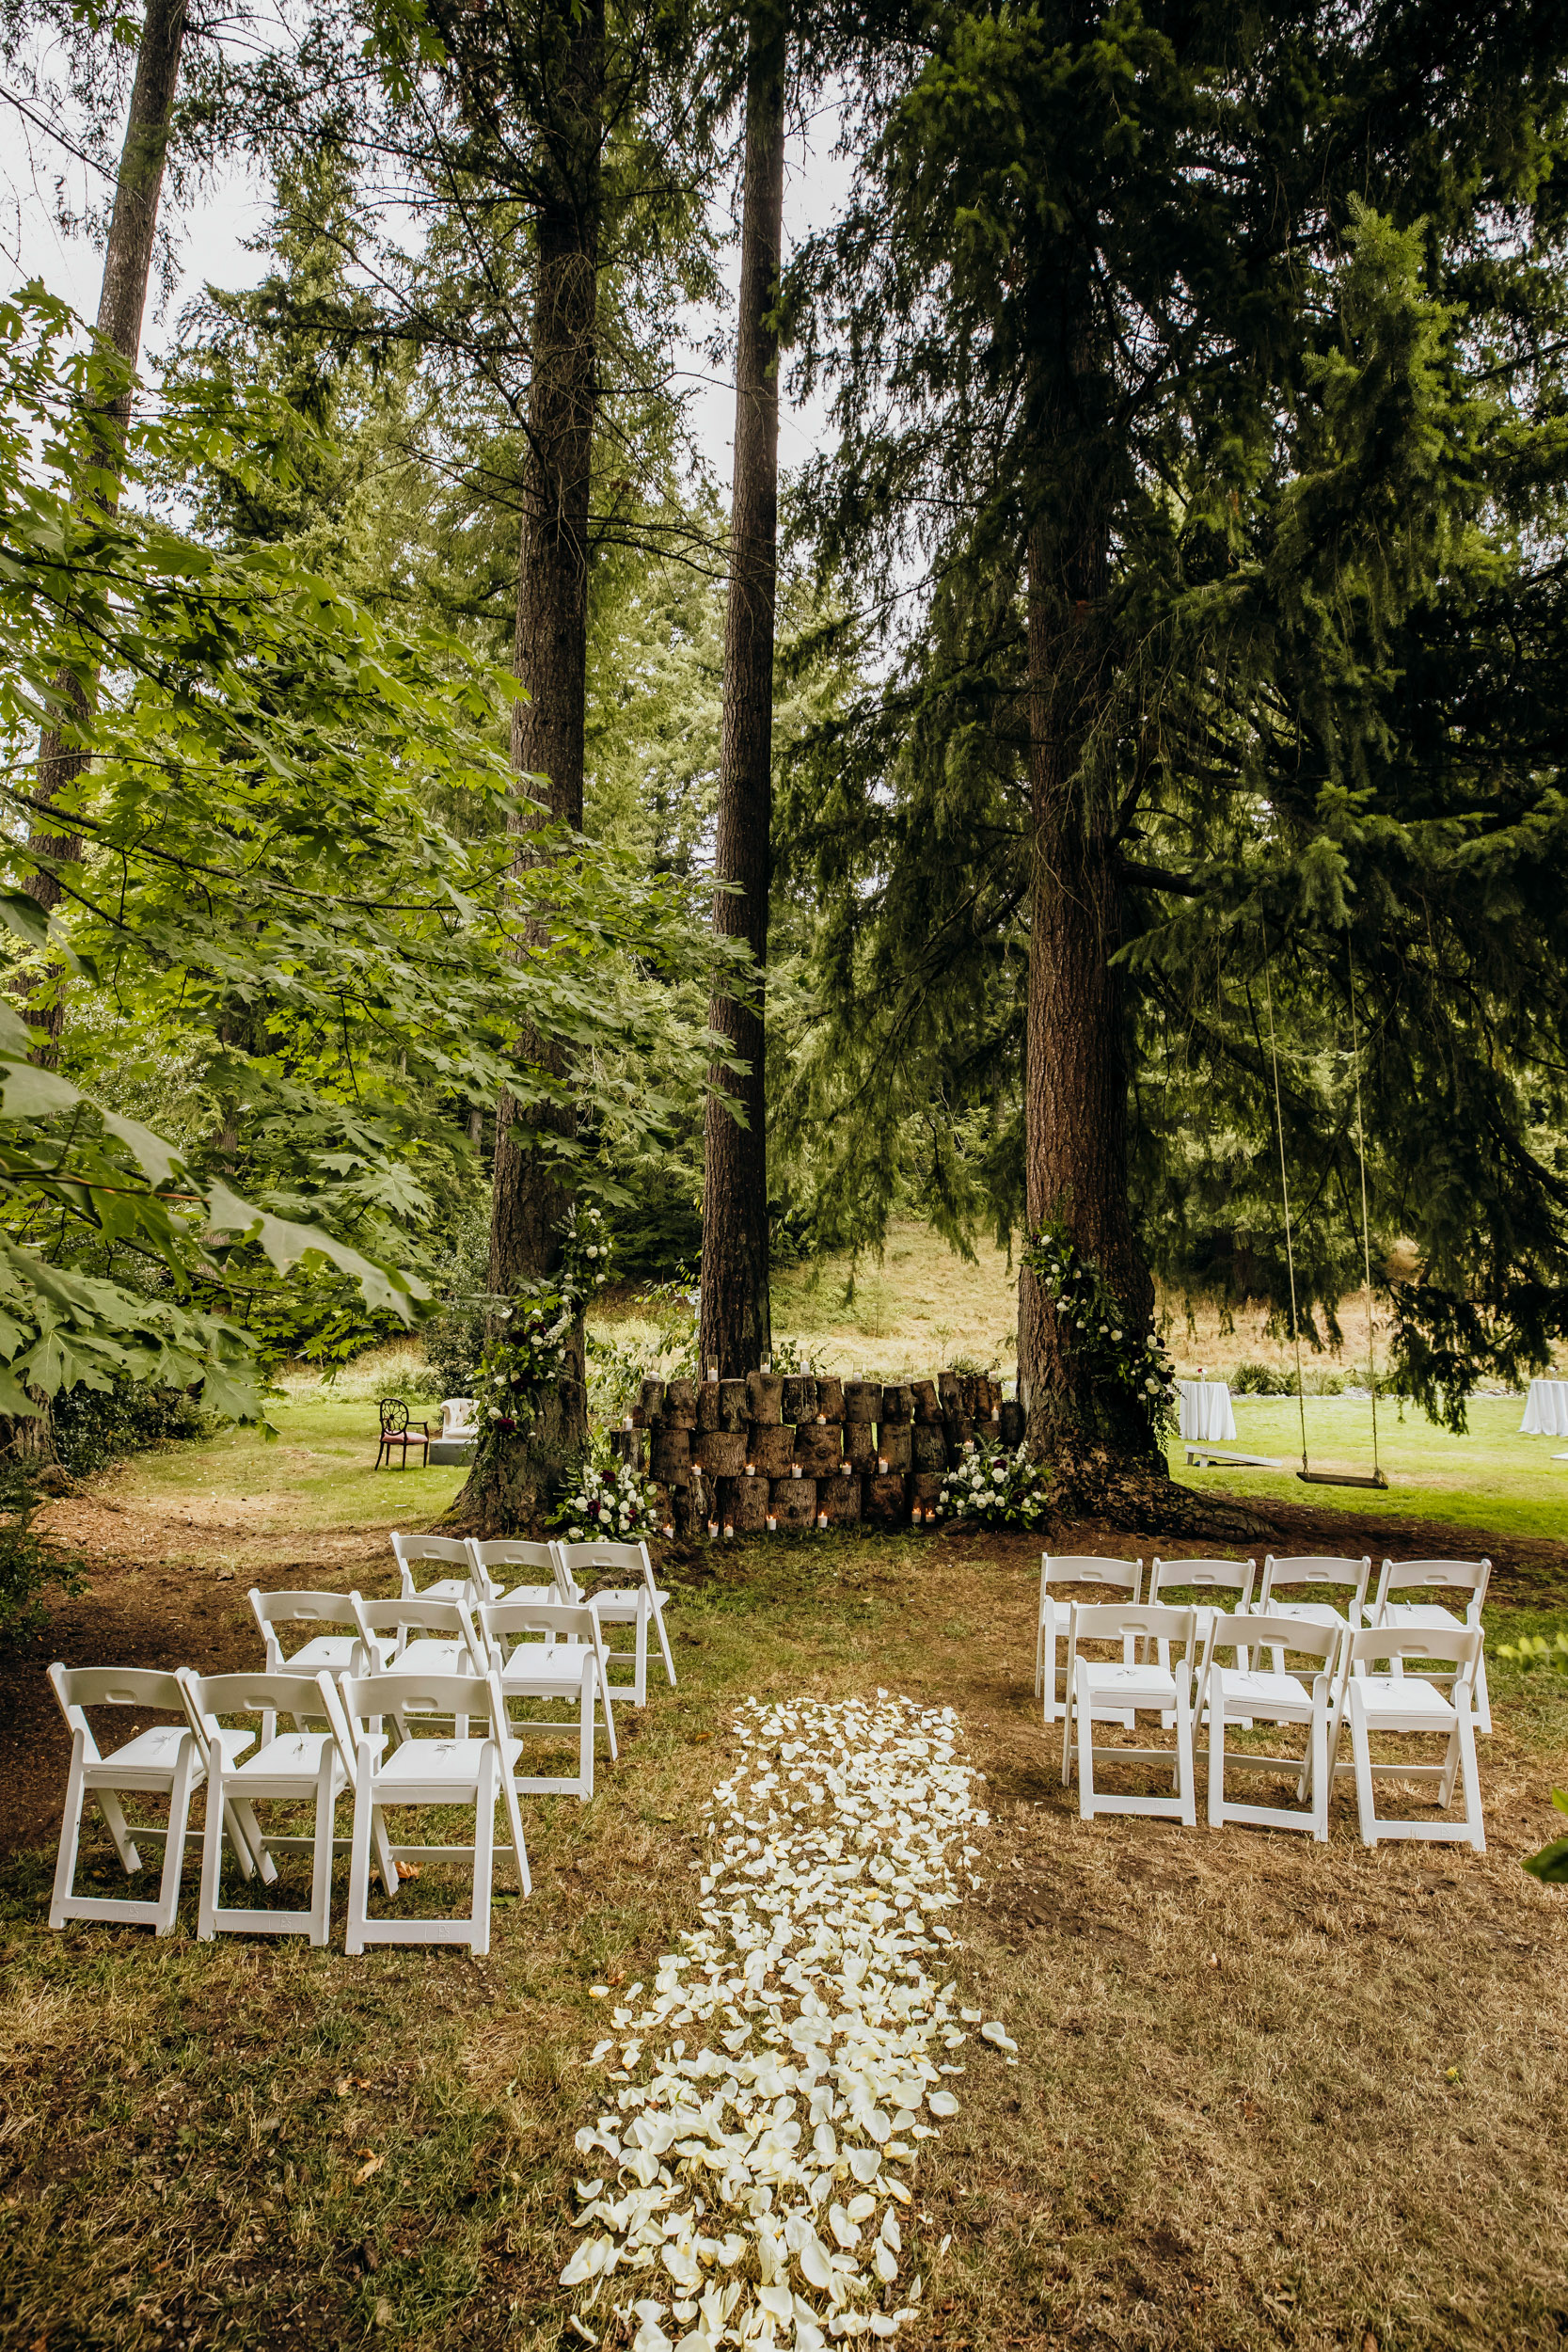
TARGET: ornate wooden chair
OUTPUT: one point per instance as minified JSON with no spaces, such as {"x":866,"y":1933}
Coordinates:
{"x":396,"y":1431}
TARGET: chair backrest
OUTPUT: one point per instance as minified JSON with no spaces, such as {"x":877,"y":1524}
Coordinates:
{"x":605,"y":1555}
{"x":1315,"y":1569}
{"x":451,"y":1551}
{"x":311,"y":1610}
{"x":1070,"y":1567}
{"x":1203,"y":1576}
{"x":411,"y":1699}
{"x":1114,"y":1620}
{"x":1459,"y":1645}
{"x":1247,"y":1629}
{"x":1463,"y":1580}
{"x":414,"y":1613}
{"x":509,"y":1551}
{"x":458,"y":1417}
{"x":308,"y":1700}
{"x":144,"y":1688}
{"x":394,"y":1416}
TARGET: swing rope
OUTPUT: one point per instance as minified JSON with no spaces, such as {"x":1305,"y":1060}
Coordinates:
{"x":1366,"y":1227}
{"x":1284,"y":1191}
{"x":1322,"y":1477}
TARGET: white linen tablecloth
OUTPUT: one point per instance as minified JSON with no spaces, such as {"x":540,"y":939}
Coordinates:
{"x":1545,"y":1410}
{"x":1206,"y":1412}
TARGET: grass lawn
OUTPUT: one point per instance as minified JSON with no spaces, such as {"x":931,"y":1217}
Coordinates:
{"x":1271,"y":2094}
{"x":1492,"y":1477}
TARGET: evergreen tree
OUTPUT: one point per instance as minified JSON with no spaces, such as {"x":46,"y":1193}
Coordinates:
{"x":1208,"y":360}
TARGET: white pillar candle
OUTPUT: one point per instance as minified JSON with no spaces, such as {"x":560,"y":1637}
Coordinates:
{"x":795,"y":1469}
{"x":844,"y":1470}
{"x":822,"y":1519}
{"x":713,"y":1527}
{"x":772,"y":1524}
{"x":881,"y":1465}
{"x":713,"y":1372}
{"x":751,"y":1470}
{"x":729,"y":1533}
{"x":768,"y":1364}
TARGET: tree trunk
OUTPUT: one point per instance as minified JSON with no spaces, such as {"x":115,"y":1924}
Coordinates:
{"x":122,"y":301}
{"x":1075,"y":1077}
{"x":511,"y":1488}
{"x":734,"y":1329}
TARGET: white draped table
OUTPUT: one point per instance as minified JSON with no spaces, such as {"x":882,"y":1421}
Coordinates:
{"x":1545,"y":1410}
{"x":1206,"y":1412}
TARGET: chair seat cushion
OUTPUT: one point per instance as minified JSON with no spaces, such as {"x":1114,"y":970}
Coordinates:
{"x":1133,"y":1686}
{"x":1259,"y":1692}
{"x":1406,"y":1696}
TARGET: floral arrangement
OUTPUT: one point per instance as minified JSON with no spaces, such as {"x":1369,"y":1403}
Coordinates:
{"x":609,"y":1498}
{"x":1090,"y":1321}
{"x":995,"y":1486}
{"x":543,"y":1313}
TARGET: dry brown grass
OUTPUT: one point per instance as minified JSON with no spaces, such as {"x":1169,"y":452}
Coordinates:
{"x":1270,"y":2094}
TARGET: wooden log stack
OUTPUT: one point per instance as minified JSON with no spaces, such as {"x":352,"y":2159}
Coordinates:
{"x":793,"y":1450}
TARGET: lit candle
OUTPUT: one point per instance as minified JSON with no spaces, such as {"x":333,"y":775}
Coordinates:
{"x":916,"y":1516}
{"x":768,"y":1364}
{"x":844,"y":1470}
{"x":751,"y":1470}
{"x":713,"y":1372}
{"x":729,"y":1533}
{"x":822,"y":1421}
{"x":822,"y":1519}
{"x":772,"y":1524}
{"x":669,"y":1527}
{"x":795,"y":1469}
{"x":881,"y":1465}
{"x":713,"y":1527}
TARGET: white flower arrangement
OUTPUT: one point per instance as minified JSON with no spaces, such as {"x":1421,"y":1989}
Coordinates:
{"x":608,"y":1499}
{"x":1087,"y":1308}
{"x":995,"y":1487}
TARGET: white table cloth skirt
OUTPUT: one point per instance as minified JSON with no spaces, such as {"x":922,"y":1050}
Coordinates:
{"x":1206,"y":1413}
{"x":1545,"y":1410}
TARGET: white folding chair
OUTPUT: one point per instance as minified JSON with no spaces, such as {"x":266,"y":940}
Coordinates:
{"x":335,"y":1652}
{"x":1244,"y":1692}
{"x":162,"y":1761}
{"x":1411,"y":1703}
{"x":427,"y":1767}
{"x":308,"y":1763}
{"x":509,"y":1551}
{"x":1215,"y":1576}
{"x":637,"y":1605}
{"x":418,"y":1635}
{"x":447,"y":1551}
{"x":1317,"y":1574}
{"x":551,"y":1650}
{"x":1120,"y":1576}
{"x":1464,"y":1581}
{"x":1141,"y":1687}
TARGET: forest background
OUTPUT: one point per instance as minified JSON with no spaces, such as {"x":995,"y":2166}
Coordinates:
{"x":1166,"y":718}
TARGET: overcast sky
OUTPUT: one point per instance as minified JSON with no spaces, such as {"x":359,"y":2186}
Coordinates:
{"x":211,"y":243}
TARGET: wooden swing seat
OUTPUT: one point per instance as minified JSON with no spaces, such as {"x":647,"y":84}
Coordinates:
{"x":1342,"y":1478}
{"x":1214,"y":1457}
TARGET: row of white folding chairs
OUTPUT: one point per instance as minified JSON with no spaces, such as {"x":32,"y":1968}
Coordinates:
{"x":533,"y":1643}
{"x":1168,"y":1665}
{"x":338,"y":1744}
{"x":1461,"y":1582}
{"x":479,"y":1567}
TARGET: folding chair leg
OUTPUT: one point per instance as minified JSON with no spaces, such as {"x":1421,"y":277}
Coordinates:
{"x":1084,"y":1714}
{"x":1067,"y":1733}
{"x":320,"y":1861}
{"x":585,"y":1727}
{"x":71,"y":1834}
{"x":1469,"y":1780}
{"x":484,"y":1841}
{"x":514,"y":1814}
{"x":1186,"y":1758}
{"x":1483,"y":1699}
{"x":119,"y":1828}
{"x":174,"y":1846}
{"x":1360,"y":1749}
{"x":359,"y":1860}
{"x":1320,"y":1777}
{"x":657,"y":1608}
{"x":1216,"y":1766}
{"x":253,"y":1839}
{"x":212,"y":1850}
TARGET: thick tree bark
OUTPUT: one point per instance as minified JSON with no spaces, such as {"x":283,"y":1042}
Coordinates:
{"x":512,"y":1486}
{"x":735,"y":1326}
{"x":122,"y":304}
{"x":1075,"y":1077}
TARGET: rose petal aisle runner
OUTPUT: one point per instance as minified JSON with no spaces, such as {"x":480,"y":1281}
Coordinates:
{"x":796,"y":2050}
